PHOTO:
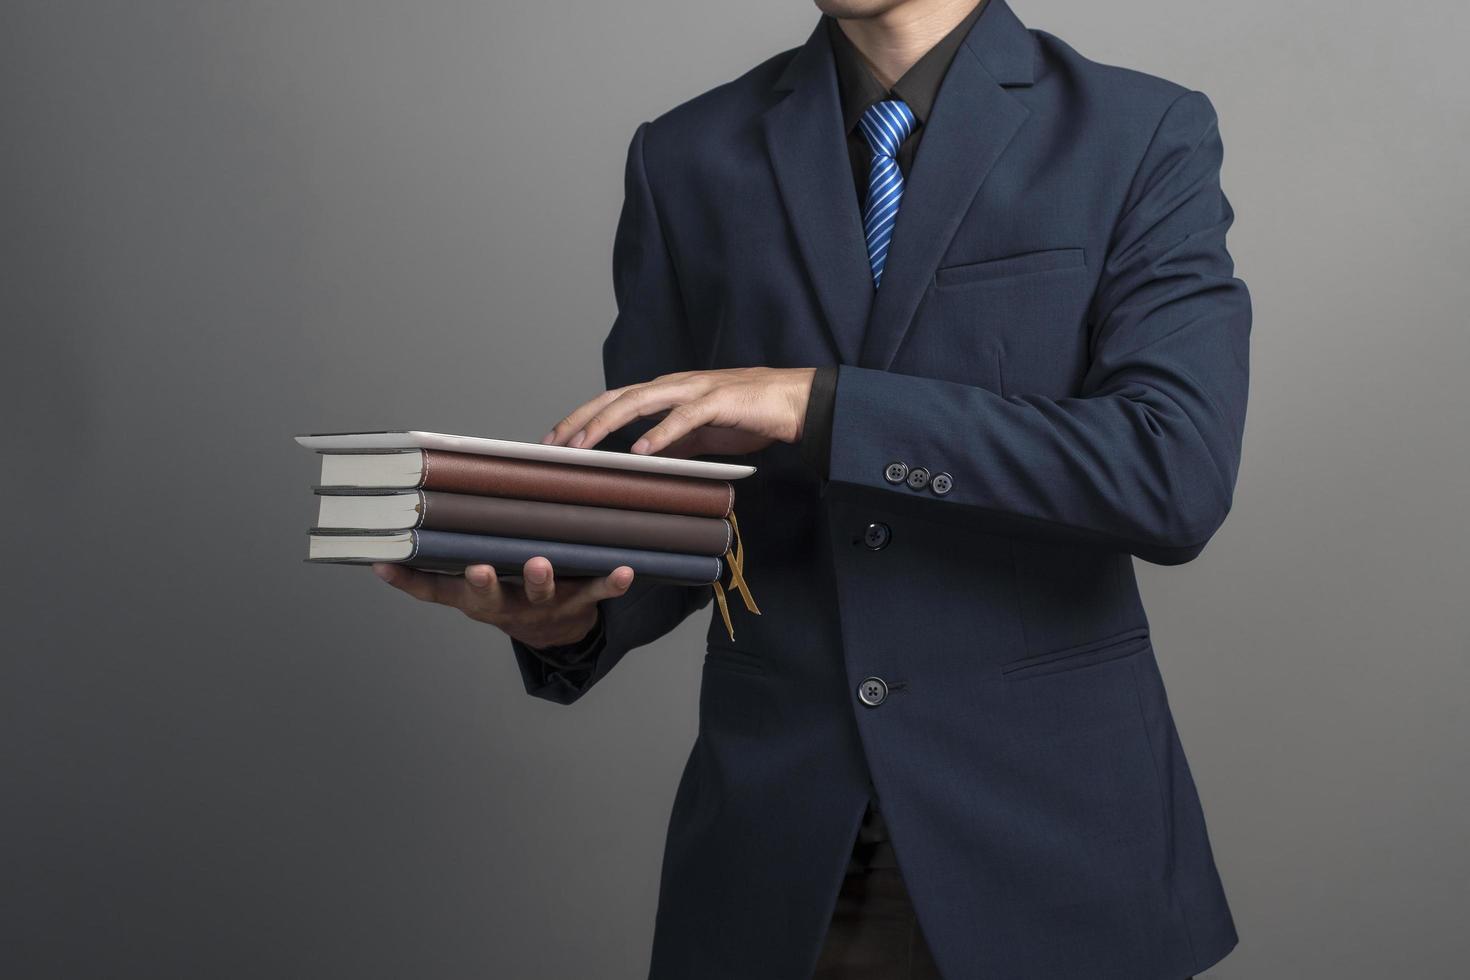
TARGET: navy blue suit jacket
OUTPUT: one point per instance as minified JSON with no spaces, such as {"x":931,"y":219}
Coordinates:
{"x":1060,"y":330}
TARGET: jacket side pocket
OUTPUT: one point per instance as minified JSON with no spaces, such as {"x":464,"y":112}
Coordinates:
{"x":1076,"y":657}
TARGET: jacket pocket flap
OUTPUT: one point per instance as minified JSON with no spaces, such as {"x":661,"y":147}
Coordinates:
{"x":1082,"y":655}
{"x":730,"y":658}
{"x":1049,"y":260}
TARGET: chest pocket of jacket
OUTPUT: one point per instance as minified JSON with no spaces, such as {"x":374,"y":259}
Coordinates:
{"x":1048,"y":260}
{"x":1014,"y":324}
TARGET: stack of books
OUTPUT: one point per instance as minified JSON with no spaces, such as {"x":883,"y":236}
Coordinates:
{"x":442,"y":502}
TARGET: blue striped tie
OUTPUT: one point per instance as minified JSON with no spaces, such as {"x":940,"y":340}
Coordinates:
{"x":885,"y":125}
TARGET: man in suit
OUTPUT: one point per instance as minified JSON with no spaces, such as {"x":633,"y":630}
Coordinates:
{"x":963,"y":297}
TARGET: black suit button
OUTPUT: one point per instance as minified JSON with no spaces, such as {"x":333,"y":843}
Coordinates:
{"x":876,"y":536}
{"x":872,"y":691}
{"x":942,"y":484}
{"x":918,"y":478}
{"x":896,"y":471}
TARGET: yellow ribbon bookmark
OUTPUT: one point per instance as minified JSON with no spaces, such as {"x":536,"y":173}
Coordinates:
{"x":724,"y":608}
{"x":737,"y":568}
{"x":735,"y":558}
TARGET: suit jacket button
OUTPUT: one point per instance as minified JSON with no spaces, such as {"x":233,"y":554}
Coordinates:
{"x":876,"y":536}
{"x":918,"y":478}
{"x":895,"y":471}
{"x":942,"y":484}
{"x":872,"y":691}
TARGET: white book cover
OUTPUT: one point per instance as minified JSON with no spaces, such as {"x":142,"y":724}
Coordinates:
{"x":403,"y":439}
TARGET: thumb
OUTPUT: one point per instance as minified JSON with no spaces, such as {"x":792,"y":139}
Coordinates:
{"x":617,"y":582}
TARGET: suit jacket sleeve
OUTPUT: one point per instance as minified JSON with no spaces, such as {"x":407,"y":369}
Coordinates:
{"x":650,"y":337}
{"x":1144,"y":459}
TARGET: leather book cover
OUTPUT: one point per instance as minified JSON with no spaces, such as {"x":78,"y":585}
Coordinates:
{"x":452,"y":551}
{"x":604,"y":526}
{"x":494,"y":476}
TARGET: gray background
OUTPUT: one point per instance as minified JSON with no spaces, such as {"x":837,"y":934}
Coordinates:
{"x":222,"y":223}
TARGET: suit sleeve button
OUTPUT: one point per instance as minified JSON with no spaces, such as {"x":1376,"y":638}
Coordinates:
{"x":941,"y":484}
{"x":918,"y":478}
{"x":896,"y":471}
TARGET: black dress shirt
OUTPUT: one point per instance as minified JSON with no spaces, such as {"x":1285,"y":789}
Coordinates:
{"x":918,"y":88}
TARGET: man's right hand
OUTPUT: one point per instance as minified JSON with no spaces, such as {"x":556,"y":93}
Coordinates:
{"x":538,"y":612}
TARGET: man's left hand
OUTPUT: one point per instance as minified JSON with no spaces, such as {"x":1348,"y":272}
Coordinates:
{"x":719,"y":413}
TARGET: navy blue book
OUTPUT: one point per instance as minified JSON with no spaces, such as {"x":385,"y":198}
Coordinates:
{"x":451,"y":551}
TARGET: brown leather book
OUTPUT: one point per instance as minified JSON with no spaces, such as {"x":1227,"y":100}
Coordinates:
{"x":379,"y":510}
{"x":496,"y":476}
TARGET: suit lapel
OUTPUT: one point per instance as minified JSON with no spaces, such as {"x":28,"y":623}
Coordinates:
{"x":808,"y":150}
{"x":973,"y":121}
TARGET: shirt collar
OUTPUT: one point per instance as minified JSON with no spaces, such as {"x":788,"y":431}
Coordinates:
{"x":918,"y":87}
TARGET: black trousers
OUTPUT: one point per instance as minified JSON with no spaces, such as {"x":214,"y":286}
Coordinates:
{"x":874,"y":933}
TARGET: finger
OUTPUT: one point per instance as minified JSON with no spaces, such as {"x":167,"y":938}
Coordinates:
{"x":424,"y":586}
{"x":686,"y":447}
{"x":482,"y":586}
{"x":562,"y":432}
{"x":539,"y":581}
{"x":708,"y":441}
{"x":610,"y":586}
{"x":680,"y":422}
{"x":641,"y":402}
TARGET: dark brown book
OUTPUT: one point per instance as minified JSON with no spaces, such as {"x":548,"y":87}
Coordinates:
{"x":495,"y":476}
{"x":394,"y":510}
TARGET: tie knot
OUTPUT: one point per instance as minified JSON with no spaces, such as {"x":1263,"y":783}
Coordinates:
{"x":886,"y":125}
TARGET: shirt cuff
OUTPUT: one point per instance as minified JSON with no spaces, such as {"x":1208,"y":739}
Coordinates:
{"x":570,"y":656}
{"x":816,"y":431}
